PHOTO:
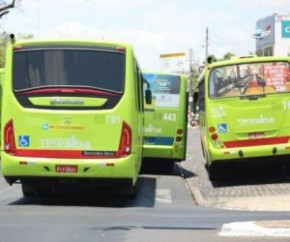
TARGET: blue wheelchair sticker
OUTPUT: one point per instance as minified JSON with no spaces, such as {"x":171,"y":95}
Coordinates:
{"x":23,"y":141}
{"x":222,"y":128}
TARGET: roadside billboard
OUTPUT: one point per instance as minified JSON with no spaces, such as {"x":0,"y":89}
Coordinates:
{"x":285,"y":28}
{"x":173,"y":62}
{"x":265,"y":32}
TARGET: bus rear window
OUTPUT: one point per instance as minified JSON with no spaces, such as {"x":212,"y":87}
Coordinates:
{"x":161,"y":83}
{"x":68,"y":67}
{"x":242,"y":80}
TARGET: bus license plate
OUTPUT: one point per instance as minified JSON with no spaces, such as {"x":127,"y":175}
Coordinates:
{"x":66,"y":168}
{"x":256,"y":135}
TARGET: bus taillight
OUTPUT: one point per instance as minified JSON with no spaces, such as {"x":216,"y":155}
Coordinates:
{"x":214,"y":136}
{"x":211,"y":129}
{"x":178,"y":139}
{"x":125,"y":141}
{"x":9,"y":141}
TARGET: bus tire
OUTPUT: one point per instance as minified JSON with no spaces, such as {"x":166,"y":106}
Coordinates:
{"x":222,"y":172}
{"x":214,"y":172}
{"x":130,"y":191}
{"x":31,"y":190}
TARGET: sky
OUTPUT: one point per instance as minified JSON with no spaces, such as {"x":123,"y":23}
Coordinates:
{"x":153,"y":27}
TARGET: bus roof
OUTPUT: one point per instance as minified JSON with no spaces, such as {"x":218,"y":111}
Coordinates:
{"x":248,"y":59}
{"x":34,"y":42}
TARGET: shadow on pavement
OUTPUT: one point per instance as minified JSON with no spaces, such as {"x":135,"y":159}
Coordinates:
{"x":254,"y":174}
{"x":95,"y":196}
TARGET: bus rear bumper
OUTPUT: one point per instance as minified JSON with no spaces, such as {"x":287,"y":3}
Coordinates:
{"x":246,"y":153}
{"x":164,"y":152}
{"x":17,"y":168}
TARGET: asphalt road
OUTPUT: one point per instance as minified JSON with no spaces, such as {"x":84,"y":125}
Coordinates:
{"x":165,"y":209}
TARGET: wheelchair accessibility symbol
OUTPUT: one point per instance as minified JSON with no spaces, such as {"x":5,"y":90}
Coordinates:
{"x":222,"y":128}
{"x":23,"y":141}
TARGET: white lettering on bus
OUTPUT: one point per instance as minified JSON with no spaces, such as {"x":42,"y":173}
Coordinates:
{"x":113,"y":119}
{"x":70,"y":142}
{"x":151,"y":129}
{"x":259,"y":120}
{"x":169,"y":117}
{"x":218,"y":112}
{"x":286,"y":104}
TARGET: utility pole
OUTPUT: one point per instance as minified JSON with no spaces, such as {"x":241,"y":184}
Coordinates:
{"x":190,"y":56}
{"x":206,"y":44}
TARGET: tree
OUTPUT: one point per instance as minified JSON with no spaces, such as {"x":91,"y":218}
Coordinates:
{"x":228,"y":56}
{"x":5,"y":9}
{"x":4,"y":37}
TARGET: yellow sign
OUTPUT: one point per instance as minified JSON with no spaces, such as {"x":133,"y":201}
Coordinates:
{"x":172,"y":55}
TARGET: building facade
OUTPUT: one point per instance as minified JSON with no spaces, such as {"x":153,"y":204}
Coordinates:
{"x":273,"y":36}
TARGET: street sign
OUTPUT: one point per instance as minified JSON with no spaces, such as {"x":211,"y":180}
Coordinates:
{"x":174,"y":62}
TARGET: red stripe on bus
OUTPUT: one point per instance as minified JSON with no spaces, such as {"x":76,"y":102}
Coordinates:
{"x":67,"y":91}
{"x":60,"y":154}
{"x":256,"y":142}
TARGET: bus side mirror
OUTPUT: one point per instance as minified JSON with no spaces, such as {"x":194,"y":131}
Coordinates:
{"x":148,"y":96}
{"x":148,"y":93}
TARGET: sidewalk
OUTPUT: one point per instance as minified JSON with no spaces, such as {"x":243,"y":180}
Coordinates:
{"x":272,"y":196}
{"x":261,"y":197}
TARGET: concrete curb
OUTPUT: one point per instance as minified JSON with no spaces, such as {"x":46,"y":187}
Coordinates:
{"x":197,"y":196}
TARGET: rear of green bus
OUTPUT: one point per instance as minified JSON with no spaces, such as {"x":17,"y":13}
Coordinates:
{"x":245,"y":110}
{"x":165,"y":119}
{"x":72,"y":111}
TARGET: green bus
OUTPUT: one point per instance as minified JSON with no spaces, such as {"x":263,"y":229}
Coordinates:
{"x":1,"y":80}
{"x":244,"y":112}
{"x":165,"y":129}
{"x":1,"y":74}
{"x":72,"y":112}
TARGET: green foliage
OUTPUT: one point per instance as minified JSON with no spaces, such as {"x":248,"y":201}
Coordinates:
{"x":4,"y":38}
{"x":228,"y":56}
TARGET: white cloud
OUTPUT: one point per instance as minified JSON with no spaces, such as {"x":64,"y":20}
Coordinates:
{"x":153,"y":27}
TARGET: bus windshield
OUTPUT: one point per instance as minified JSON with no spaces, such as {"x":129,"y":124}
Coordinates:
{"x":165,"y":89}
{"x":251,"y":79}
{"x":68,"y":67}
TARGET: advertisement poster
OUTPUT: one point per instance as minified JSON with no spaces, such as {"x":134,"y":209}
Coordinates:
{"x":165,"y":90}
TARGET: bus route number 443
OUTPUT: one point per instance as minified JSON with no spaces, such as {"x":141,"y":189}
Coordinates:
{"x":169,"y":117}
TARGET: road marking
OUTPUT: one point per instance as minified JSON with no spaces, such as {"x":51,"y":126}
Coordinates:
{"x":252,"y":228}
{"x":163,"y":196}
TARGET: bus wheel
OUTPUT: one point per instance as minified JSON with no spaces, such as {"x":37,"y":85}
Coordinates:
{"x":214,"y":172}
{"x":129,"y":191}
{"x":39,"y":189}
{"x":221,"y":171}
